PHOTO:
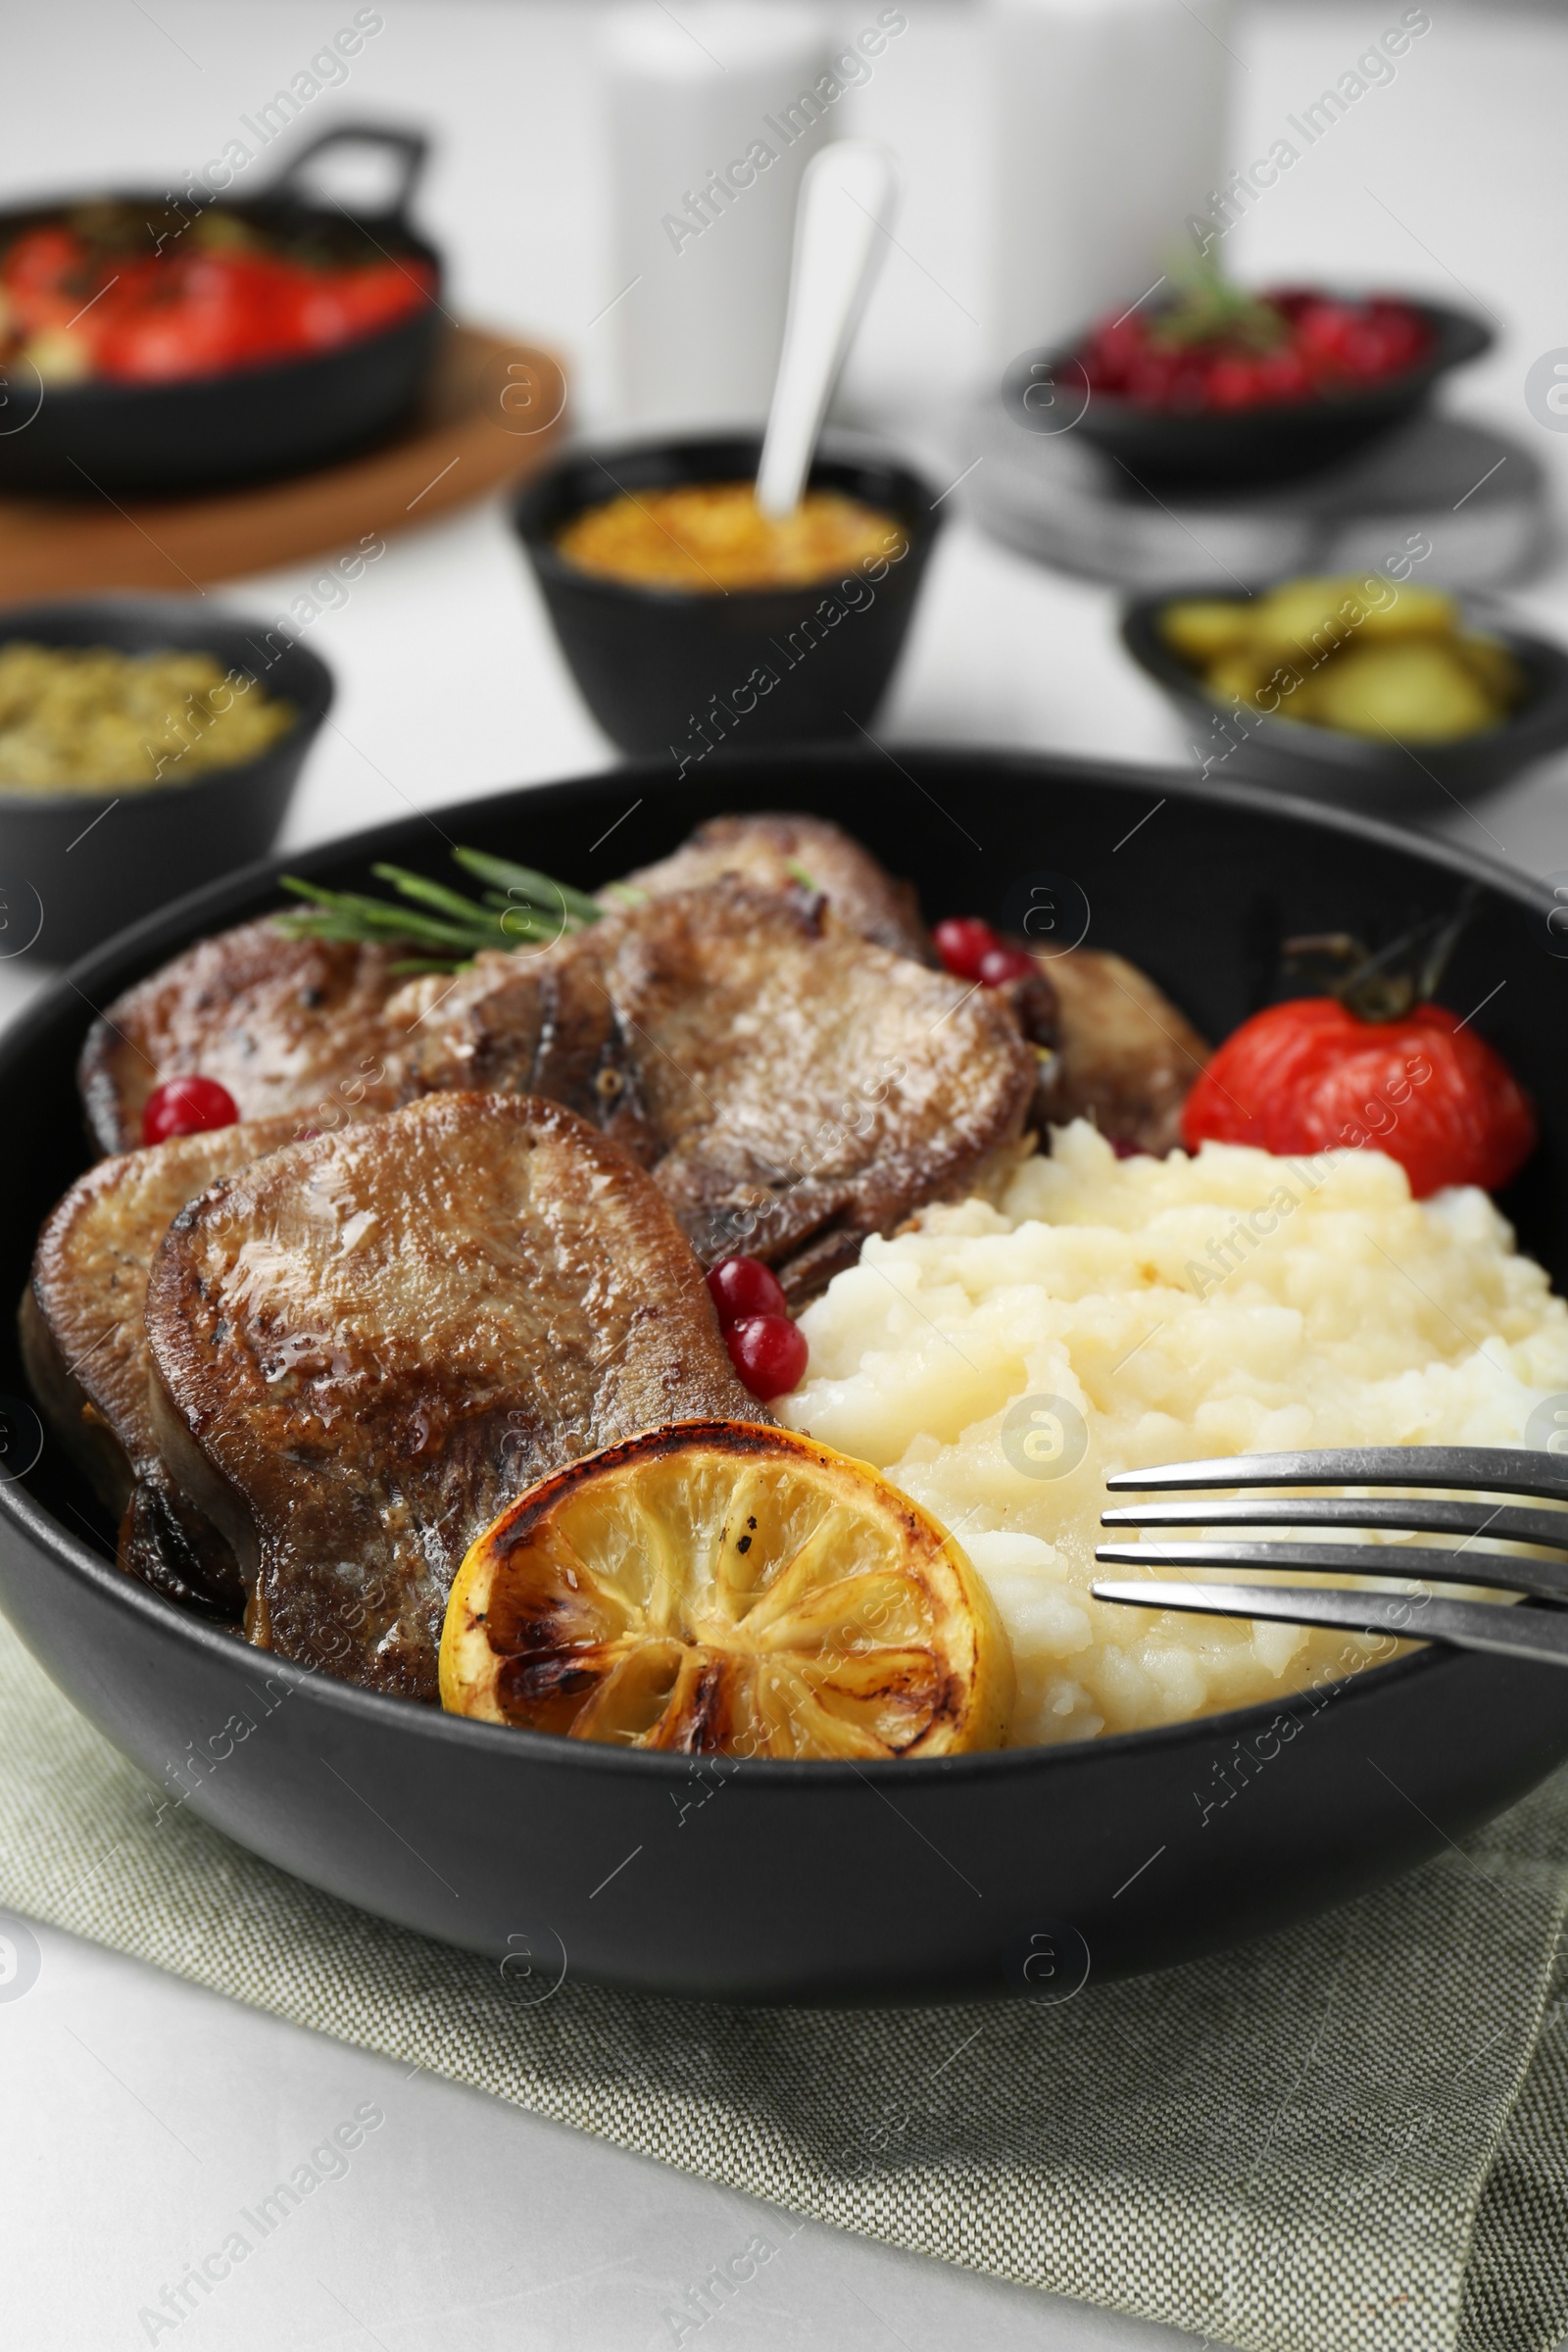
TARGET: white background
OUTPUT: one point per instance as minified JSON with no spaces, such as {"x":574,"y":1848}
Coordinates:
{"x":138,"y":2112}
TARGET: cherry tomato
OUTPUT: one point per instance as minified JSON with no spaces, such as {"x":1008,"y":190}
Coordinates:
{"x":201,"y":315}
{"x":743,"y":1287}
{"x":346,"y":302}
{"x":1312,"y":1076}
{"x":187,"y":1106}
{"x":44,"y":257}
{"x":768,"y":1351}
{"x":153,"y":318}
{"x":1001,"y":963}
{"x":159,"y":344}
{"x":960,"y":942}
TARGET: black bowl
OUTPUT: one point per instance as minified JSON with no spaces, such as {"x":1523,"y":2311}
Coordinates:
{"x":664,"y":668}
{"x":248,"y":423}
{"x":1005,"y":1872}
{"x":1354,"y":769}
{"x":77,"y":866}
{"x":1242,"y":448}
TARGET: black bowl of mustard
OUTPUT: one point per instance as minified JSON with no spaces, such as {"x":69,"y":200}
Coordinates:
{"x":679,"y":670}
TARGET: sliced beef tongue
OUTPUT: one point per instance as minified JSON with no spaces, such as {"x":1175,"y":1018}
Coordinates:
{"x":298,"y":1024}
{"x":287,"y":1025}
{"x":538,"y":1022}
{"x":368,"y":1343}
{"x":1125,"y":1057}
{"x":782,"y":852}
{"x":84,"y":1342}
{"x":792,"y":1087}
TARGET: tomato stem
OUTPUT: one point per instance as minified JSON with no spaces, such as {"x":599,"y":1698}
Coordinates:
{"x":1383,"y":985}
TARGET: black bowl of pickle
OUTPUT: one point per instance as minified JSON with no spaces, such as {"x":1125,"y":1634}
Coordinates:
{"x":1369,"y":688}
{"x":148,"y":744}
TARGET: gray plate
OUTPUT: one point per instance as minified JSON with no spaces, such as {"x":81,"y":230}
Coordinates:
{"x":1478,"y":496}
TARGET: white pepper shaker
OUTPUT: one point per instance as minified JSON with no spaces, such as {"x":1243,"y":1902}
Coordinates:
{"x":713,"y":120}
{"x":1109,"y":122}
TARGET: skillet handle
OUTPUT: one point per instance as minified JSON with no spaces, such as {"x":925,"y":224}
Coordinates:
{"x":412,"y":148}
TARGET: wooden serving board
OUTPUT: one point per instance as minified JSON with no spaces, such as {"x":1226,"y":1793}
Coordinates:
{"x":494,"y":411}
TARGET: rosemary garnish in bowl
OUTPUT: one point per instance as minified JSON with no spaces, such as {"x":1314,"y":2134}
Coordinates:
{"x":1206,"y":308}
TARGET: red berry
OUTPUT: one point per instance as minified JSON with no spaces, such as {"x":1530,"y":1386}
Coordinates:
{"x":187,"y":1106}
{"x":1112,"y":352}
{"x":768,"y":1351}
{"x":743,"y":1287}
{"x":1003,"y":963}
{"x":1282,"y":375}
{"x":1323,"y":328}
{"x":960,"y":942}
{"x":1329,"y":341}
{"x":1235,"y":383}
{"x":1154,"y":380}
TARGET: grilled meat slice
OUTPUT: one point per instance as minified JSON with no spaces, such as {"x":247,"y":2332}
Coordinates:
{"x":368,"y":1344}
{"x":288,"y":1025}
{"x":539,"y":1022}
{"x":295,"y":1024}
{"x":782,"y":852}
{"x":84,"y":1344}
{"x":1125,"y":1057}
{"x":792,"y":1087}
{"x":808,"y":1088}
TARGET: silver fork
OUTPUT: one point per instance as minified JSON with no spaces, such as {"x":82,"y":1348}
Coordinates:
{"x":1524,"y":1631}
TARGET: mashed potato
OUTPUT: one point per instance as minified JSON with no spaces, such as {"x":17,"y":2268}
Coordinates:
{"x":1229,"y":1304}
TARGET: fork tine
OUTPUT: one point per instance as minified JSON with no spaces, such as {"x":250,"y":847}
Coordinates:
{"x":1509,"y":1632}
{"x":1486,"y":1469}
{"x":1497,"y":1520}
{"x":1546,"y":1580}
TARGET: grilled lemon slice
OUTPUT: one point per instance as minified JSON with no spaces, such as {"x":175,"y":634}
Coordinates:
{"x":721,"y":1588}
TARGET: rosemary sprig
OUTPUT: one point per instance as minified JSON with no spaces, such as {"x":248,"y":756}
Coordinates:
{"x":1204,"y":306}
{"x":533,"y":889}
{"x":346,"y":915}
{"x":519,"y":904}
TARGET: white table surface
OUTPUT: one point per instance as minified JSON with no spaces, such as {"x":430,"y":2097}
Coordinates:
{"x":138,"y":2111}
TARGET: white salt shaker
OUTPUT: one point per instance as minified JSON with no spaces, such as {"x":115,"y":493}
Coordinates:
{"x":712,"y":118}
{"x":1110,"y":122}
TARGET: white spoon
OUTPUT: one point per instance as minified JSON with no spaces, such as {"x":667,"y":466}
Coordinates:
{"x":849,"y":194}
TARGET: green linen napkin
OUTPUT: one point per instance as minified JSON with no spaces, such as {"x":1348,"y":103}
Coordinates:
{"x":1352,"y":2135}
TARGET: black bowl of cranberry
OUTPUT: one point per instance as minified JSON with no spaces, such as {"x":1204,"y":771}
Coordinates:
{"x":1229,"y":390}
